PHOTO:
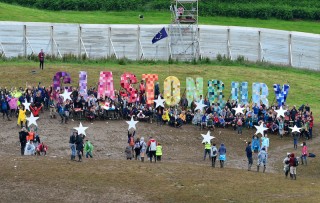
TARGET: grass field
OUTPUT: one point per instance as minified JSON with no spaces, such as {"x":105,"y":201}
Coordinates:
{"x":17,"y":13}
{"x":304,"y":84}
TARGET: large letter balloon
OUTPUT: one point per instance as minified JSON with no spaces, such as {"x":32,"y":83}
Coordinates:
{"x":56,"y":80}
{"x":243,"y":92}
{"x":105,"y":85}
{"x":257,"y":97}
{"x":215,"y":88}
{"x":194,"y":89}
{"x":171,"y":90}
{"x":150,"y":79}
{"x":281,"y":94}
{"x":127,"y":79}
{"x":83,"y":84}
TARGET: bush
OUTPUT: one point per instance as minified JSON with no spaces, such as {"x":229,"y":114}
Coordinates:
{"x":263,"y":9}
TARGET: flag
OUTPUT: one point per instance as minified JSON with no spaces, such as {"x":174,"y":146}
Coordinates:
{"x":160,"y":35}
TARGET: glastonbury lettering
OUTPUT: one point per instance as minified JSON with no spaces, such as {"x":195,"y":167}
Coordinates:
{"x":171,"y":88}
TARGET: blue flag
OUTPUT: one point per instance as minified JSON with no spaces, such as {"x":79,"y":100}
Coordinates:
{"x":160,"y":35}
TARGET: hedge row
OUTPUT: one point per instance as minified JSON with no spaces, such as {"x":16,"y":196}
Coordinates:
{"x":261,"y":11}
{"x":284,"y":9}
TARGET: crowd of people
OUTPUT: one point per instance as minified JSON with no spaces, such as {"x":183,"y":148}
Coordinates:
{"x":90,"y":107}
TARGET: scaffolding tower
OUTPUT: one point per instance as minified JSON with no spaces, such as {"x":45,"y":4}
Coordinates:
{"x":184,"y":32}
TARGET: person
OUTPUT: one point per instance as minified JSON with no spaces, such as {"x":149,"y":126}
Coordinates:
{"x":265,"y":142}
{"x":30,"y":148}
{"x":143,"y":147}
{"x":239,"y":126}
{"x":262,"y":159}
{"x":23,"y":139}
{"x":286,"y":162}
{"x":213,"y":153}
{"x":5,"y":107}
{"x":152,"y":145}
{"x":41,"y":58}
{"x":255,"y":145}
{"x":304,"y":153}
{"x":131,"y":143}
{"x":310,"y":125}
{"x":159,"y":152}
{"x":79,"y":146}
{"x":72,"y":144}
{"x":222,"y":155}
{"x":249,"y":155}
{"x":35,"y":110}
{"x":137,"y":149}
{"x":295,"y":139}
{"x":293,"y":166}
{"x":207,"y":148}
{"x":42,"y":149}
{"x":128,"y":152}
{"x":22,"y":119}
{"x":88,"y":148}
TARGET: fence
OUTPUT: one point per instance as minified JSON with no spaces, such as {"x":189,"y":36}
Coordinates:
{"x":295,"y":49}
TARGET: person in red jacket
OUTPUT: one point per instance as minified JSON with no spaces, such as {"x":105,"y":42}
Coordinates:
{"x":41,"y":58}
{"x":42,"y":149}
{"x":35,"y":110}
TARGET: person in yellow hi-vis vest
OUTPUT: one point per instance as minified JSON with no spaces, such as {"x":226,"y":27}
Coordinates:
{"x":159,"y":152}
{"x":207,"y":150}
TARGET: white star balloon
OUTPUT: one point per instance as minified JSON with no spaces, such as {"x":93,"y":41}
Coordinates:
{"x":238,"y":109}
{"x":280,"y":112}
{"x":207,"y":137}
{"x":66,"y":95}
{"x":200,"y":105}
{"x":132,"y":123}
{"x":26,"y":105}
{"x":295,"y":129}
{"x":159,"y":102}
{"x":260,"y":129}
{"x":81,"y":129}
{"x":32,"y":120}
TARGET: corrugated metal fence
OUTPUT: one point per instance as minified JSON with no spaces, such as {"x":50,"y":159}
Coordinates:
{"x":295,"y":49}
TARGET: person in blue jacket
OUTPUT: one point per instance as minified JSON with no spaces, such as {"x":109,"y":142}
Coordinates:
{"x":222,"y":155}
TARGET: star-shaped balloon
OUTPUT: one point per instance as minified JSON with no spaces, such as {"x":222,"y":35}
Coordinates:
{"x":239,"y":109}
{"x":81,"y":129}
{"x":280,"y":112}
{"x":66,"y":95}
{"x":295,"y":129}
{"x":26,"y":105}
{"x":207,"y":137}
{"x":32,"y":120}
{"x":260,"y":129}
{"x":200,"y":105}
{"x":159,"y":102}
{"x":132,"y":123}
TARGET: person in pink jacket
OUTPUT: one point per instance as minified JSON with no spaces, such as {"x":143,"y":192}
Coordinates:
{"x":304,"y":153}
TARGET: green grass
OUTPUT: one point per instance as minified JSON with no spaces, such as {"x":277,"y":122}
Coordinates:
{"x":304,"y":84}
{"x":18,"y":13}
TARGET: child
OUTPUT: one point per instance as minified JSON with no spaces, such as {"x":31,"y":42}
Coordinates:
{"x":42,"y":149}
{"x":295,"y":139}
{"x":88,"y":148}
{"x":213,"y":154}
{"x":137,"y":148}
{"x":128,"y":152}
{"x":262,"y":158}
{"x":143,"y":147}
{"x":159,"y":152}
{"x":52,"y":106}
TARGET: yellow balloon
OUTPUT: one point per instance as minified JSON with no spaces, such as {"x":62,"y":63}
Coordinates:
{"x":171,"y":90}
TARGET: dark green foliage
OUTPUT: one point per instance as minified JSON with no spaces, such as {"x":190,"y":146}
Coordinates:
{"x":263,"y":9}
